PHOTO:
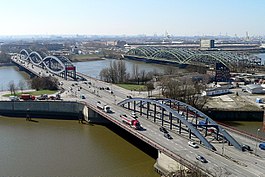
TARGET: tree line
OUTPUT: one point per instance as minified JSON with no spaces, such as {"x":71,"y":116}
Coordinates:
{"x":117,"y":73}
{"x":38,"y":83}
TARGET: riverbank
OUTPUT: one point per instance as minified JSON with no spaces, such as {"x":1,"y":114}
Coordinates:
{"x":83,"y":58}
{"x":6,"y":64}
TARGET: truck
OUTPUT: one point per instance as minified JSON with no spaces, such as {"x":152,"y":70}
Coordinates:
{"x":27,"y":97}
{"x":134,"y":123}
{"x":104,"y":107}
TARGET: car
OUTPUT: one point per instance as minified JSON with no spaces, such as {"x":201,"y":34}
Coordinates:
{"x":162,"y":129}
{"x":192,"y":144}
{"x":246,"y":148}
{"x":129,"y":96}
{"x":133,"y":115}
{"x":201,"y":159}
{"x":262,"y":146}
{"x":166,"y":135}
{"x":83,"y":97}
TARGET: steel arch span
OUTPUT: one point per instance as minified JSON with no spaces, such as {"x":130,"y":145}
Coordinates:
{"x":58,"y":65}
{"x":180,"y":117}
{"x":194,"y":57}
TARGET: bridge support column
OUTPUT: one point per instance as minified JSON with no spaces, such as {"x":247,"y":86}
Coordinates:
{"x":170,"y":118}
{"x":141,"y":107}
{"x":162,"y":116}
{"x":165,"y":165}
{"x":94,"y":117}
{"x":86,"y":113}
{"x":187,"y":113}
{"x":155,"y":113}
{"x":147,"y":110}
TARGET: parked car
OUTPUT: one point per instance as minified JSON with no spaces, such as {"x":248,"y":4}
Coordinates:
{"x":162,"y":129}
{"x":201,"y":158}
{"x":192,"y":144}
{"x":166,"y":135}
{"x":246,"y":148}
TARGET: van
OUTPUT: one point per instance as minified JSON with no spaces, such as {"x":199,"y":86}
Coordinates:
{"x":13,"y":98}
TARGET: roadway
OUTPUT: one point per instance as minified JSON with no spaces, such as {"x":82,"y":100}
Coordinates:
{"x":230,"y":163}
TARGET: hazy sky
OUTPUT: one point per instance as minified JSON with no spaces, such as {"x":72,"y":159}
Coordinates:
{"x":131,"y":17}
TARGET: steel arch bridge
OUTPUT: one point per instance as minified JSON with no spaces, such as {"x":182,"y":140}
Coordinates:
{"x":182,"y":119}
{"x":58,"y":65}
{"x":194,"y":57}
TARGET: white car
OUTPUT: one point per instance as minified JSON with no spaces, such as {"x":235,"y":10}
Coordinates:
{"x":192,"y":144}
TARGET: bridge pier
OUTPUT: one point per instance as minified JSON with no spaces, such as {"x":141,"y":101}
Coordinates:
{"x":93,"y":117}
{"x":165,"y":165}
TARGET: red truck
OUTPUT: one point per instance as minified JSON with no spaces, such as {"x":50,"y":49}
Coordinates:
{"x":27,"y":97}
{"x":134,"y":123}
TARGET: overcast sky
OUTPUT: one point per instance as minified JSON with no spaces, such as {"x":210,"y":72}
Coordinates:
{"x":132,"y":17}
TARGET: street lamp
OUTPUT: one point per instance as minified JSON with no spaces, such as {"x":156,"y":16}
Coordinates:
{"x":257,"y":141}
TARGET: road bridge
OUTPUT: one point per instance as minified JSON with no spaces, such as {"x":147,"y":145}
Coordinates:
{"x":222,"y":151}
{"x":56,"y":65}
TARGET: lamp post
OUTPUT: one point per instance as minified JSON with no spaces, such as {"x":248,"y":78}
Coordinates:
{"x":257,"y":140}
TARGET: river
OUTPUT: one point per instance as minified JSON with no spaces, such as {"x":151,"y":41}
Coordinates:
{"x":67,"y":148}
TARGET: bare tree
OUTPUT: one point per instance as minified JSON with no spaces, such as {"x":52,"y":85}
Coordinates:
{"x":135,"y":72}
{"x":21,"y":85}
{"x":185,"y":90}
{"x":115,"y":73}
{"x":150,"y":87}
{"x":12,"y":87}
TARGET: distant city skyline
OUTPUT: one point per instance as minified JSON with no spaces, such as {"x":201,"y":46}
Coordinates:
{"x":120,"y":17}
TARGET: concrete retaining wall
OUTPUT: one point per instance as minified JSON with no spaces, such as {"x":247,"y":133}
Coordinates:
{"x":45,"y":109}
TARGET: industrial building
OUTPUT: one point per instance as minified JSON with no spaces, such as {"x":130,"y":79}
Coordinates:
{"x":207,"y":43}
{"x":216,"y":91}
{"x":255,"y":88}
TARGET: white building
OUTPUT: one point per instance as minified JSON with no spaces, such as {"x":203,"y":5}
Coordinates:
{"x":255,"y":88}
{"x":216,"y":91}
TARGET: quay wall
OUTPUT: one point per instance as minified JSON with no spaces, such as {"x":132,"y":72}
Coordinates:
{"x":42,"y":109}
{"x":221,"y":115}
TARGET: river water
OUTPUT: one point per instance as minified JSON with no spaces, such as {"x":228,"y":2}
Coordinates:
{"x":67,"y":148}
